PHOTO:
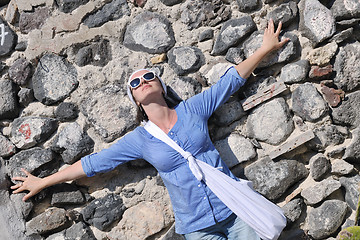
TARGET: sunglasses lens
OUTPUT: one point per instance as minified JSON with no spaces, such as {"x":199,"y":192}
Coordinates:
{"x":149,"y":76}
{"x":135,"y":82}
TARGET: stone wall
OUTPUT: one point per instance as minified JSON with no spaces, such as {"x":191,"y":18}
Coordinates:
{"x":292,"y":129}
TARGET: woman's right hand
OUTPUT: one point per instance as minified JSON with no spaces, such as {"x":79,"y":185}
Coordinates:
{"x":29,"y":183}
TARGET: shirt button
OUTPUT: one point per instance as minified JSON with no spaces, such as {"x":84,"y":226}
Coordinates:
{"x":171,"y":133}
{"x":199,"y":185}
{"x":204,"y":198}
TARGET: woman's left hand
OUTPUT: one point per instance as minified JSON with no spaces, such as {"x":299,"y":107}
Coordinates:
{"x":271,"y":37}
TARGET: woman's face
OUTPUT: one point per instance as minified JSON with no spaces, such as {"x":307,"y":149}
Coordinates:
{"x":147,"y":91}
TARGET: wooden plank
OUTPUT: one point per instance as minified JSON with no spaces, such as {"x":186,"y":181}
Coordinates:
{"x":263,"y":95}
{"x":292,"y":144}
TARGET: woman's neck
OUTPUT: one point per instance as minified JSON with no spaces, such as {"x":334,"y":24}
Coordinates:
{"x":161,"y":115}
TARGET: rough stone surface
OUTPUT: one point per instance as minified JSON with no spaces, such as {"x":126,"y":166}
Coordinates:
{"x":246,"y":6}
{"x":8,"y":101}
{"x":110,"y":121}
{"x":235,"y":55}
{"x":50,"y":220}
{"x":7,"y":40}
{"x":97,"y":54}
{"x":26,"y":132}
{"x":293,"y":209}
{"x":270,"y":122}
{"x":352,"y":152}
{"x":288,"y":52}
{"x":308,"y":103}
{"x":321,"y":56}
{"x":109,"y":12}
{"x":228,"y":113}
{"x":102,"y":212}
{"x":320,"y":191}
{"x":341,"y":167}
{"x":316,"y":21}
{"x":204,"y":13}
{"x":72,"y":143}
{"x":333,"y":96}
{"x":206,"y":35}
{"x":319,"y":165}
{"x":149,"y":32}
{"x":235,"y":149}
{"x":171,"y":2}
{"x":326,"y":219}
{"x":347,"y":67}
{"x":286,"y":13}
{"x":185,"y":87}
{"x":273,"y":178}
{"x":66,"y":111}
{"x":51,"y":72}
{"x":347,"y":113}
{"x":325,"y":136}
{"x":26,"y":96}
{"x":66,"y":194}
{"x":351,"y":186}
{"x":33,"y":20}
{"x":20,"y":71}
{"x":185,"y":60}
{"x":295,"y":72}
{"x":317,"y":72}
{"x":232,"y":33}
{"x":68,"y":6}
{"x":23,"y":209}
{"x":7,"y":148}
{"x":345,"y":9}
{"x":31,"y":160}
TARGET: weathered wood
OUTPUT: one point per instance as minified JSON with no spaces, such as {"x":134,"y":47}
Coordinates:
{"x":263,"y":95}
{"x":292,"y":144}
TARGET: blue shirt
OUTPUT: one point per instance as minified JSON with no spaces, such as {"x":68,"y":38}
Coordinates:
{"x":195,"y":205}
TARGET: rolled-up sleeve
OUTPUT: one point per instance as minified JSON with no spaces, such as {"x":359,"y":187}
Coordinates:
{"x":209,"y":100}
{"x":126,"y":149}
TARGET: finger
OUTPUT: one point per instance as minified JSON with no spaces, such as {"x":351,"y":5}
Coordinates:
{"x":19,"y":179}
{"x":282,"y":43}
{"x":278,"y":28}
{"x":26,"y":172}
{"x":27,"y":196}
{"x":20,"y":189}
{"x":16,"y":186}
{"x":271,"y":25}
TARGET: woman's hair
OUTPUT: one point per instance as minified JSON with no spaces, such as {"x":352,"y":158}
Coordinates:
{"x":171,"y":99}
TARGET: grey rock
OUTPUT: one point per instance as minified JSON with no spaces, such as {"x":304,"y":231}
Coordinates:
{"x":26,"y":132}
{"x":66,"y":194}
{"x":347,"y":113}
{"x":8,"y":102}
{"x":286,"y":13}
{"x":109,"y":12}
{"x":285,"y":54}
{"x":21,"y":46}
{"x":253,"y":87}
{"x":68,"y":6}
{"x":149,"y":32}
{"x":352,"y":152}
{"x":79,"y":231}
{"x":235,"y":149}
{"x":7,"y":148}
{"x":97,"y":54}
{"x":232,"y":33}
{"x":326,"y":135}
{"x":101,"y":213}
{"x":320,"y":191}
{"x":204,"y":13}
{"x":228,"y":113}
{"x":319,"y":165}
{"x":270,"y":122}
{"x":51,"y":72}
{"x":347,"y":67}
{"x":8,"y":39}
{"x":171,"y":2}
{"x":72,"y":143}
{"x":293,"y":209}
{"x":29,"y":21}
{"x":273,"y":178}
{"x":4,"y":2}
{"x":109,"y":120}
{"x":206,"y":35}
{"x":23,"y":209}
{"x":326,"y":219}
{"x":316,"y":21}
{"x":245,"y":6}
{"x":342,"y":36}
{"x":308,"y":103}
{"x":351,"y":185}
{"x":66,"y":111}
{"x":235,"y":55}
{"x":345,"y":9}
{"x":185,"y":87}
{"x":185,"y":60}
{"x":31,"y":160}
{"x":341,"y":167}
{"x":50,"y":221}
{"x":295,"y":72}
{"x":26,"y":96}
{"x":20,"y":72}
{"x":348,"y":23}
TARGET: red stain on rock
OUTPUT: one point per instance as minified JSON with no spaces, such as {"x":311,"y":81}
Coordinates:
{"x":25,"y":130}
{"x":320,"y":72}
{"x":332,"y":96}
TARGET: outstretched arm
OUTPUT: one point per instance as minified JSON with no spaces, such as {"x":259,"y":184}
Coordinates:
{"x":34,"y":184}
{"x":270,"y":43}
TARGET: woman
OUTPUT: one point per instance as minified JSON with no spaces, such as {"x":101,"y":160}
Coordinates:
{"x":199,"y":214}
